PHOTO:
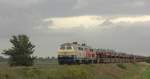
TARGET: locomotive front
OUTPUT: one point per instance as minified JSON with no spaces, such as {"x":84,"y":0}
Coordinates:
{"x":74,"y":53}
{"x":66,"y":54}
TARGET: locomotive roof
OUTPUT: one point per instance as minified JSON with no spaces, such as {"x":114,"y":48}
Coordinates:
{"x":78,"y":45}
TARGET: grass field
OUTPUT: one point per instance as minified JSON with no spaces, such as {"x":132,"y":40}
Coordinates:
{"x":146,"y":74}
{"x":97,"y":71}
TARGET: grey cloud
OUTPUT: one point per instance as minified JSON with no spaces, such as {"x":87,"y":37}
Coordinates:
{"x":116,"y":7}
{"x":132,"y":39}
{"x":56,"y":8}
{"x":23,"y":16}
{"x":20,"y":3}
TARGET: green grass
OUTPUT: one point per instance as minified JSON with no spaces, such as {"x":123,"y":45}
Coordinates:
{"x":146,"y":74}
{"x":122,"y":66}
{"x":55,"y":71}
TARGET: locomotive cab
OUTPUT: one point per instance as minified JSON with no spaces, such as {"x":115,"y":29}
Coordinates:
{"x":66,"y":54}
{"x":74,"y":53}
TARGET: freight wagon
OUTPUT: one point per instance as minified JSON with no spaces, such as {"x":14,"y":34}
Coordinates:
{"x":74,"y":53}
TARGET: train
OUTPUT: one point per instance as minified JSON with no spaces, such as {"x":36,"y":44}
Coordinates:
{"x":75,"y":53}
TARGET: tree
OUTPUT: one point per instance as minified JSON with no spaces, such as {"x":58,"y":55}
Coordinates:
{"x":21,"y":51}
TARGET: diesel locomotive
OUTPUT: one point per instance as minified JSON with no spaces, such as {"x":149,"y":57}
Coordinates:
{"x":74,"y":53}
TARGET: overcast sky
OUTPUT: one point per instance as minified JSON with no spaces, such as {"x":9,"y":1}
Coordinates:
{"x":123,"y":25}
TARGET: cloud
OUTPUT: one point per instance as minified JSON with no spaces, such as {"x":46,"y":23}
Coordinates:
{"x":81,"y":4}
{"x":117,"y":23}
{"x":131,"y":19}
{"x":86,"y":22}
{"x":20,"y":2}
{"x":89,"y":22}
{"x":139,"y":3}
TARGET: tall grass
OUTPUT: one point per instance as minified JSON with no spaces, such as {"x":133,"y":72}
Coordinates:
{"x":54,"y":71}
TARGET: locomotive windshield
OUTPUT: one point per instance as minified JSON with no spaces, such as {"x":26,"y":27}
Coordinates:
{"x":66,"y":47}
{"x":62,"y":47}
{"x":69,"y":47}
